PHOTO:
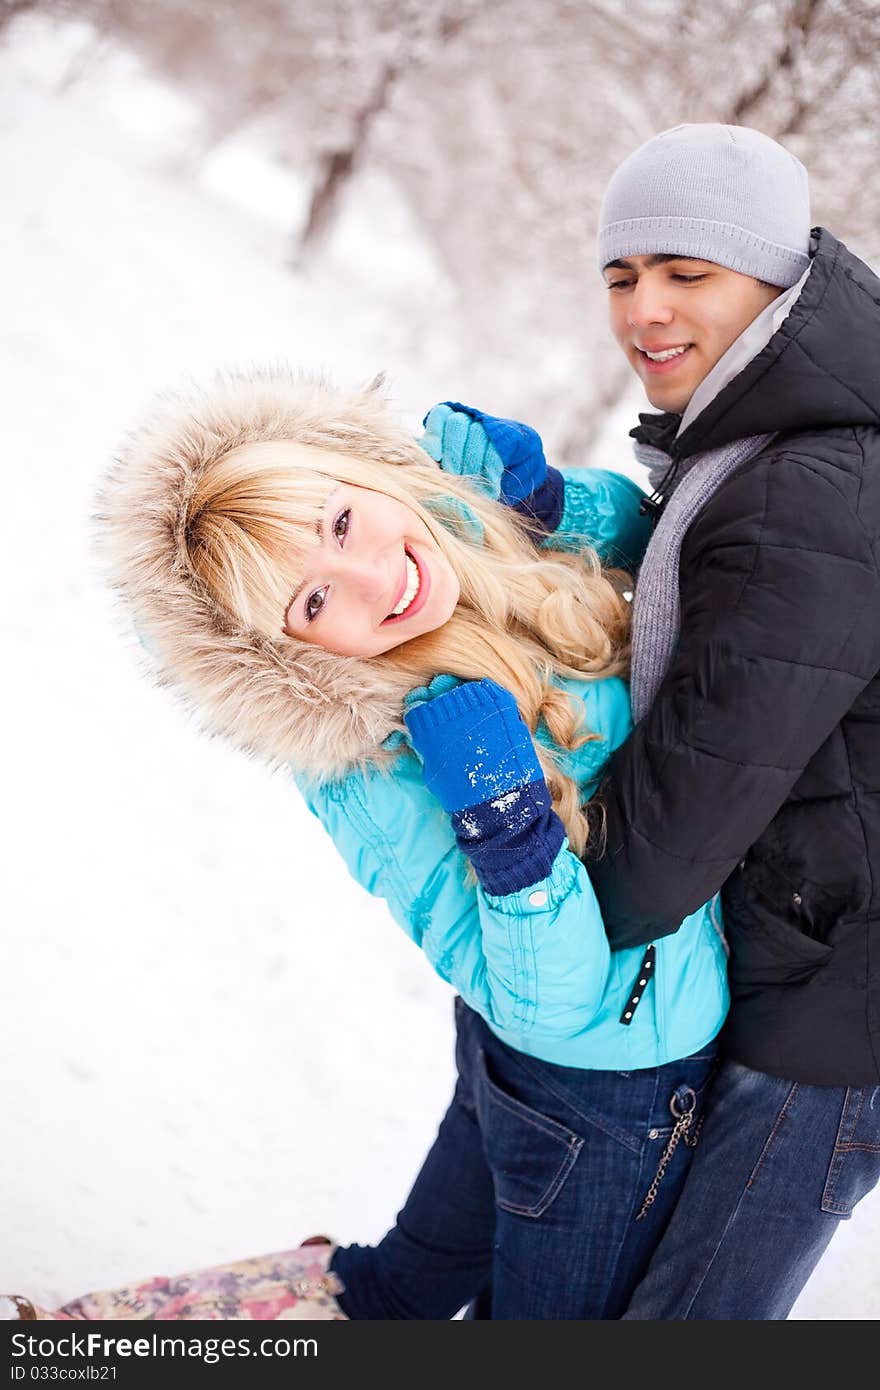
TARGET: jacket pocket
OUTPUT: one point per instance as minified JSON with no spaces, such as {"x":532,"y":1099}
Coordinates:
{"x":855,"y":1163}
{"x":765,"y":949}
{"x":529,"y":1155}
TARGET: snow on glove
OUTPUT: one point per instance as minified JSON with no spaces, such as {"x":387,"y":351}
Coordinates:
{"x":503,"y":456}
{"x":480,"y":762}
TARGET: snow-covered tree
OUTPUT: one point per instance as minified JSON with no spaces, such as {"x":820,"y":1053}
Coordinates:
{"x":500,"y":121}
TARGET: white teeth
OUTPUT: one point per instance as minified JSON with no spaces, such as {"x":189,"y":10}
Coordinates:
{"x":409,"y":593}
{"x":665,"y":355}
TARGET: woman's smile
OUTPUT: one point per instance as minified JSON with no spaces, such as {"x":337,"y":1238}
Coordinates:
{"x":415,"y":589}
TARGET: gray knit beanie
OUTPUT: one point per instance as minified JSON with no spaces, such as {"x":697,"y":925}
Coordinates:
{"x":721,"y":193}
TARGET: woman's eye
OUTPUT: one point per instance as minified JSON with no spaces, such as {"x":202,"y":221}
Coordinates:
{"x":312,"y":609}
{"x":315,"y":601}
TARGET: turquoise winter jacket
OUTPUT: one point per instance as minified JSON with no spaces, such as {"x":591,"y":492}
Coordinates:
{"x":536,"y":963}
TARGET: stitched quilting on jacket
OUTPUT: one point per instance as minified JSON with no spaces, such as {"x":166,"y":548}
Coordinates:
{"x":758,"y":765}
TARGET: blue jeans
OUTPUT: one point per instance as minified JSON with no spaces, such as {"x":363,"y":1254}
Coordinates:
{"x":778,"y":1166}
{"x":526,"y":1204}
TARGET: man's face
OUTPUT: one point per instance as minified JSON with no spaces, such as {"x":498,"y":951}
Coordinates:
{"x":675,"y":317}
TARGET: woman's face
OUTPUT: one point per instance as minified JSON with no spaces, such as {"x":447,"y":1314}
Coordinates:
{"x":376,"y":579}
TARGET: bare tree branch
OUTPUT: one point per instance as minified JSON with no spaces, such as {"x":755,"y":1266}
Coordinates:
{"x":339,"y":165}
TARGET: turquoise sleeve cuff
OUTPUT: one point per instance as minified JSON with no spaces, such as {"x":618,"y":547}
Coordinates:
{"x":602,"y":509}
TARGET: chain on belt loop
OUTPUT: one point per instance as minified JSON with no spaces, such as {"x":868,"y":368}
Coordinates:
{"x":681,"y":1130}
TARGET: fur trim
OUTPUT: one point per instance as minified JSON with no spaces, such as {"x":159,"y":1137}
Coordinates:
{"x":287,"y":701}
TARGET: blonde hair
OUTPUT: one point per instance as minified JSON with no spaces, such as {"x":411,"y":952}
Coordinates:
{"x":524,"y":616}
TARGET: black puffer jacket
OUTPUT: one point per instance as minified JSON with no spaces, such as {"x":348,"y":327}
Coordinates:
{"x":758,"y":766}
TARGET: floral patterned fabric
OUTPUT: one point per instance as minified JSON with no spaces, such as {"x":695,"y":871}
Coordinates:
{"x":287,"y":1285}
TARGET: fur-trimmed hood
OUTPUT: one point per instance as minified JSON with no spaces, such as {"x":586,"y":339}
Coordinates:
{"x":286,"y":701}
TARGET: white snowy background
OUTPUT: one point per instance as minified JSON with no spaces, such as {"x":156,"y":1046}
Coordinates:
{"x":212,"y":1043}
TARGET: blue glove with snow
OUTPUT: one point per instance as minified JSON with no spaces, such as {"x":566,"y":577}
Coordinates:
{"x":503,"y":456}
{"x":480,"y":762}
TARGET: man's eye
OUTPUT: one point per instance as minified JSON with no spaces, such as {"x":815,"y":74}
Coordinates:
{"x":619,"y":284}
{"x":688,"y":279}
{"x":311,"y":611}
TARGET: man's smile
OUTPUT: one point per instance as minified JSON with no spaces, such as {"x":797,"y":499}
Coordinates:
{"x":661,"y":360}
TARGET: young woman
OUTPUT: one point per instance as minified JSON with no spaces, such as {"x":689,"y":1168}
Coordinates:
{"x":446,"y":695}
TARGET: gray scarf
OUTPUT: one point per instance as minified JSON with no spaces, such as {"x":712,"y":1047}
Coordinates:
{"x":657,"y":608}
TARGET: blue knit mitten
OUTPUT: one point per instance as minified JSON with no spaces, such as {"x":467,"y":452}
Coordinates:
{"x":503,"y":456}
{"x":480,"y":762}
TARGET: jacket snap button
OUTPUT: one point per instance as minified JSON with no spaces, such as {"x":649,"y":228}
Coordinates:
{"x":796,"y":899}
{"x":538,"y":899}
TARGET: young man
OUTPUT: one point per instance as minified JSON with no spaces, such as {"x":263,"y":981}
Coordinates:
{"x":754,"y":767}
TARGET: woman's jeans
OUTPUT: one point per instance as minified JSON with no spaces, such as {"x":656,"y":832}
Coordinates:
{"x":779,"y":1165}
{"x":527,"y":1204}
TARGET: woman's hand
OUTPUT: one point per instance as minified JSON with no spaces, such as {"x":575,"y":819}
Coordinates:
{"x":474,"y":744}
{"x":481,"y":764}
{"x":504,"y":456}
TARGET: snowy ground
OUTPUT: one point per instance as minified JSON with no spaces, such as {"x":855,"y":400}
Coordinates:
{"x":212,"y":1042}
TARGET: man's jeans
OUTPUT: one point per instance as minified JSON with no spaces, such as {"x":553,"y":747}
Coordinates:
{"x":526,"y":1205}
{"x":778,"y":1165}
